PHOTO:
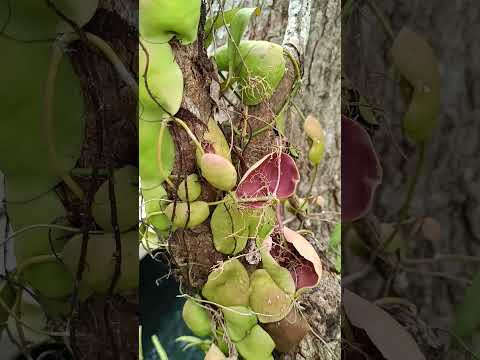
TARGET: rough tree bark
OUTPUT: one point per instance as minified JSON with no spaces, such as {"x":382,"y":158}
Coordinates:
{"x":193,"y":250}
{"x":449,"y":184}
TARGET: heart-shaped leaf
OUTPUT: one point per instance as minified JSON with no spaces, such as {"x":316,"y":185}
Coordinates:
{"x":160,"y":20}
{"x":228,"y":285}
{"x":275,"y":175}
{"x":361,"y":171}
{"x":239,"y":320}
{"x":229,"y":228}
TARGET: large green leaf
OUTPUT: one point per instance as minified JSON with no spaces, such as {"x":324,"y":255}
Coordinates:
{"x":160,"y":84}
{"x":153,"y":172}
{"x":31,"y":20}
{"x":216,"y":22}
{"x":22,"y":112}
{"x":160,"y":20}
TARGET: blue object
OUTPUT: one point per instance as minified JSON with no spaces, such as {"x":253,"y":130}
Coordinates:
{"x":161,"y":313}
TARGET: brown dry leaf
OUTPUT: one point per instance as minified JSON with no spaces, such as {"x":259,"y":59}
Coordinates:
{"x":214,"y":353}
{"x":390,"y":338}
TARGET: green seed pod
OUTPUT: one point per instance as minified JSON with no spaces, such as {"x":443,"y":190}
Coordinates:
{"x":194,"y":188}
{"x":229,"y":228}
{"x":228,"y":285}
{"x":196,"y":318}
{"x":214,"y":141}
{"x":260,"y":69}
{"x":239,"y":321}
{"x":313,"y":129}
{"x":199,"y":212}
{"x":315,"y":154}
{"x":257,"y":345}
{"x":218,"y":171}
{"x":267,"y":298}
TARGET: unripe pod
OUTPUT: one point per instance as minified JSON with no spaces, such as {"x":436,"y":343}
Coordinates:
{"x":313,"y":129}
{"x":196,"y":318}
{"x":218,"y":171}
{"x":261,"y":68}
{"x":315,"y":155}
{"x":194,"y":188}
{"x":199,"y":212}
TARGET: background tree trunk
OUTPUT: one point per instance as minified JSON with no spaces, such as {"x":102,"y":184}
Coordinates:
{"x":448,"y":190}
{"x":319,"y":96}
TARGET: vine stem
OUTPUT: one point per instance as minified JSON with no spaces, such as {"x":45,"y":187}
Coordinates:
{"x":190,"y":134}
{"x":44,"y":226}
{"x":41,"y":259}
{"x":109,"y":54}
{"x":49,"y":98}
{"x":408,"y":199}
{"x":24,"y":324}
{"x":381,"y":17}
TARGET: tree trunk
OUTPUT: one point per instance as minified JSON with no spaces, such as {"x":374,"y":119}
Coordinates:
{"x":320,"y":96}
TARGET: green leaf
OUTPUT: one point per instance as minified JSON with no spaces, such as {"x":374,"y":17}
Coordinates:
{"x":22,"y":113}
{"x":159,"y":348}
{"x":239,"y":321}
{"x":467,"y":320}
{"x":229,"y":229}
{"x":238,"y":26}
{"x":153,"y":172}
{"x":214,"y":23}
{"x":335,"y":237}
{"x":161,"y":20}
{"x":160,"y":82}
{"x":258,"y":345}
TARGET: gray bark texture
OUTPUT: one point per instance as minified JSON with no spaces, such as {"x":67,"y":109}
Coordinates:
{"x":320,"y":96}
{"x":448,"y":189}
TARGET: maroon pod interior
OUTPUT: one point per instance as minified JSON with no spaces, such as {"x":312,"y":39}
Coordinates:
{"x":275,"y":175}
{"x":361,"y":170}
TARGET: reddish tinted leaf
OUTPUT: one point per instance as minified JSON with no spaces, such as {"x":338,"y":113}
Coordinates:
{"x":275,"y":175}
{"x":361,"y":170}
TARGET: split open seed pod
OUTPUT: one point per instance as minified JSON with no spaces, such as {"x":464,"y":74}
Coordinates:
{"x":275,"y":175}
{"x":218,"y":171}
{"x":260,"y":68}
{"x":230,"y":228}
{"x":187,"y":215}
{"x":192,"y":183}
{"x":257,"y":345}
{"x":197,"y":318}
{"x":228,"y":285}
{"x":361,"y":171}
{"x":239,"y":320}
{"x":214,"y":142}
{"x":417,"y":63}
{"x":161,"y":20}
{"x":280,"y":275}
{"x":307,"y":270}
{"x":267,"y":299}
